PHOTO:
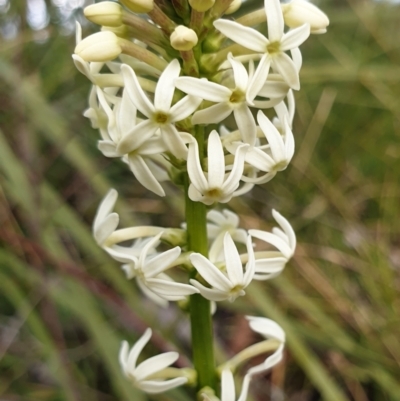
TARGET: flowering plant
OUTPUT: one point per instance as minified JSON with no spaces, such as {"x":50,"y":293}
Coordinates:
{"x":182,"y":70}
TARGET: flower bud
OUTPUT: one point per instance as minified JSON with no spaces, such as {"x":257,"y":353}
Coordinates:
{"x":234,"y":6}
{"x":299,"y":12}
{"x":101,"y":46}
{"x":183,"y":38}
{"x":106,"y":13}
{"x":201,"y":5}
{"x":139,"y":6}
{"x":122,"y":31}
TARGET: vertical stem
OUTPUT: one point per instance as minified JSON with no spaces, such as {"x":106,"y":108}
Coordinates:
{"x":200,"y":308}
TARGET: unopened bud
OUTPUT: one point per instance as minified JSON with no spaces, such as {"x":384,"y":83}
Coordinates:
{"x":101,"y":46}
{"x":183,"y":38}
{"x":139,"y":6}
{"x":299,"y":12}
{"x":201,"y":5}
{"x":106,"y":13}
{"x":234,"y":6}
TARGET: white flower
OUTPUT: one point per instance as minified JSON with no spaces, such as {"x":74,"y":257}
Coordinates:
{"x":105,"y":222}
{"x":270,"y":330}
{"x":231,"y":284}
{"x":272,"y":48}
{"x":161,"y":116}
{"x":236,"y":100}
{"x":144,"y":375}
{"x":219,"y":224}
{"x":215,"y":185}
{"x":148,"y":271}
{"x":228,"y":392}
{"x":269,"y":264}
{"x":144,"y":157}
{"x":269,"y":158}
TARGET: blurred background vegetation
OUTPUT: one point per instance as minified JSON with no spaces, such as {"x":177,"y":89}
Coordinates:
{"x":65,"y":306}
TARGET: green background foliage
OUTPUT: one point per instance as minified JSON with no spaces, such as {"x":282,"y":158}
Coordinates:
{"x":65,"y":305}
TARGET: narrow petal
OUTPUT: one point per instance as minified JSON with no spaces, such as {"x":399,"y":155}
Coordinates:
{"x":258,"y":79}
{"x":108,"y":148}
{"x":240,"y":74}
{"x":165,"y":86}
{"x":106,"y":228}
{"x":212,"y":294}
{"x":204,"y":89}
{"x":213,"y":114}
{"x":266,"y":327}
{"x":123,"y":355}
{"x":287,"y":228}
{"x":227,"y":386}
{"x":136,"y":137}
{"x":155,"y":387}
{"x":234,"y":266}
{"x":144,"y":175}
{"x":171,"y":289}
{"x":152,"y":295}
{"x":155,"y":364}
{"x":135,"y":91}
{"x":275,"y":21}
{"x":209,"y":272}
{"x":195,"y":171}
{"x":106,"y":207}
{"x":137,"y":349}
{"x":251,"y":264}
{"x":283,"y":64}
{"x":273,"y":240}
{"x":126,"y":113}
{"x":161,"y":262}
{"x":233,"y":179}
{"x":246,"y":124}
{"x":273,"y":136}
{"x":247,"y":37}
{"x":173,"y":141}
{"x":184,"y":108}
{"x":216,"y":161}
{"x":295,"y":37}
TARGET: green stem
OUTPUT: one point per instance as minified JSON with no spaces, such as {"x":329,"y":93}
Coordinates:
{"x":200,"y":308}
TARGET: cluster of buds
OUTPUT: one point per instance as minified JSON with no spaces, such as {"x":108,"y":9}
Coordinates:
{"x":182,"y":70}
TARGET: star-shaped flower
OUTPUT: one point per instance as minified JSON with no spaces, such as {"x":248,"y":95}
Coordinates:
{"x":144,"y":375}
{"x":270,"y":263}
{"x":160,"y":115}
{"x":236,"y":100}
{"x":231,"y":284}
{"x":273,"y":48}
{"x":148,"y":271}
{"x":270,"y":158}
{"x":215,"y":185}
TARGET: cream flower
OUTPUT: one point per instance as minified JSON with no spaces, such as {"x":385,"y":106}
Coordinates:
{"x":144,"y":375}
{"x":273,"y":48}
{"x":160,"y":115}
{"x":229,"y":285}
{"x":148,"y":271}
{"x":236,"y":100}
{"x":270,"y":158}
{"x":218,"y":224}
{"x":215,"y":185}
{"x":270,"y":263}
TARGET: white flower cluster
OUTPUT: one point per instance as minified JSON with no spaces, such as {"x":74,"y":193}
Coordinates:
{"x":151,"y":107}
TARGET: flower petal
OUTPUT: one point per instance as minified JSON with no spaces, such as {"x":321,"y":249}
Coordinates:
{"x":212,"y":114}
{"x":135,"y":91}
{"x":295,"y":37}
{"x":247,"y":37}
{"x":204,"y":89}
{"x":165,"y":86}
{"x":137,"y":349}
{"x":216,"y":161}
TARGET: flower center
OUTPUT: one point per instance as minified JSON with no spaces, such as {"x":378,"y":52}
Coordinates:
{"x":214,"y":193}
{"x":274,"y":47}
{"x":161,"y":118}
{"x":237,"y":96}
